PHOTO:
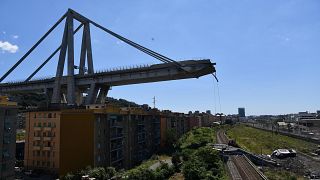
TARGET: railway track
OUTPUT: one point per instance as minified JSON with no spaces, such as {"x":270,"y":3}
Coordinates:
{"x":239,"y":166}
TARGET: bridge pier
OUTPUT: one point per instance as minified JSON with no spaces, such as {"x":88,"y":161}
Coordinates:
{"x":101,"y":99}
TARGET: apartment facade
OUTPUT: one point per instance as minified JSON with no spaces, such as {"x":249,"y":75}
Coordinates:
{"x":65,"y":140}
{"x":8,"y":115}
{"x":172,"y":121}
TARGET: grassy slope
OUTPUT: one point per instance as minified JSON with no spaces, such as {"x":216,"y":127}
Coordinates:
{"x":199,"y":136}
{"x":255,"y":140}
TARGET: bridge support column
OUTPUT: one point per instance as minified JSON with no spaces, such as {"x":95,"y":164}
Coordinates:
{"x":92,"y":94}
{"x":56,"y":96}
{"x":79,"y":98}
{"x":67,"y":44}
{"x":86,"y":50}
{"x":71,"y":83}
{"x":101,"y":99}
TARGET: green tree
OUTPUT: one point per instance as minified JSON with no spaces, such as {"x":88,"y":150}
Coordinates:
{"x":171,"y":138}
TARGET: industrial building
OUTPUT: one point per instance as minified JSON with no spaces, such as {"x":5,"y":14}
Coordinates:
{"x":8,"y":115}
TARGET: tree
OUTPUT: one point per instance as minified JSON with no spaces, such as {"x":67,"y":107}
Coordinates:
{"x":176,"y":161}
{"x":171,"y":138}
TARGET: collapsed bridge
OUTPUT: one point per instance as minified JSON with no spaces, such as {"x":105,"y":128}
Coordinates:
{"x":96,"y":84}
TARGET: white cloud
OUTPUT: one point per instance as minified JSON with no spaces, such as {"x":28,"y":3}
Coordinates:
{"x":15,"y":36}
{"x":6,"y":46}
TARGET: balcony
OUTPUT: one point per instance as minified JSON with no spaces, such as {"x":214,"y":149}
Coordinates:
{"x":47,"y":138}
{"x":36,"y":138}
{"x":7,"y":126}
{"x":116,"y":159}
{"x":47,"y":128}
{"x":47,"y":148}
{"x":115,"y":147}
{"x":116,"y":136}
{"x":37,"y":128}
{"x":36,"y":147}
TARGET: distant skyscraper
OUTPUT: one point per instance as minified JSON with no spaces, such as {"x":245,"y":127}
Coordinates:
{"x":241,"y":112}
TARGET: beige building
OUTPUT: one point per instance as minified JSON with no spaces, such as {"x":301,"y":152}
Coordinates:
{"x":8,"y":115}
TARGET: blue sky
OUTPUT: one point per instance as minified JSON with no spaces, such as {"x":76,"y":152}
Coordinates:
{"x":267,"y":52}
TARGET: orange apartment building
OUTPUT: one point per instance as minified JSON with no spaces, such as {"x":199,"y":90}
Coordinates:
{"x":179,"y":122}
{"x":61,"y":141}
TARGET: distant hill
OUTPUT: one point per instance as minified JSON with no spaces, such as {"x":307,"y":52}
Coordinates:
{"x":29,"y":99}
{"x":40,"y":100}
{"x":121,"y":102}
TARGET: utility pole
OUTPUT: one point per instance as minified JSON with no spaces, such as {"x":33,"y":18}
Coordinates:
{"x":154,"y":102}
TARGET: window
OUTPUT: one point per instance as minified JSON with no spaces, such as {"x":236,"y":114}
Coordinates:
{"x":38,"y":154}
{"x":35,"y":115}
{"x":4,"y":167}
{"x":34,"y":124}
{"x":43,"y":153}
{"x":44,"y":124}
{"x":49,"y":115}
{"x":54,"y":115}
{"x":48,"y":164}
{"x":44,"y":134}
{"x":48,"y":154}
{"x":49,"y":124}
{"x":39,"y":124}
{"x":34,"y":153}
